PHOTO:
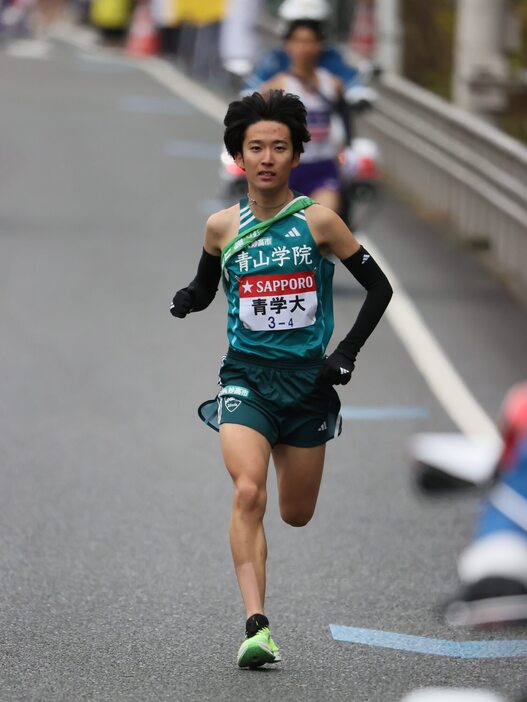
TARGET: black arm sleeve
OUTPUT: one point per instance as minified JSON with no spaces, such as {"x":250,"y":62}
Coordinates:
{"x":205,"y":284}
{"x":379,"y":292}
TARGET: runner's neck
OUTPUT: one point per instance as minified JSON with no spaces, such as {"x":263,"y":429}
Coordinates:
{"x":305,"y":73}
{"x":265,"y":205}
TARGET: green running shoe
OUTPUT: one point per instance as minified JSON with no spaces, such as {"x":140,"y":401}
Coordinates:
{"x":258,"y":650}
{"x":276,"y":651}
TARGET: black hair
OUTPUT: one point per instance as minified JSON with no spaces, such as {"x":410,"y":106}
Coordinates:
{"x":314,"y":25}
{"x":275,"y":106}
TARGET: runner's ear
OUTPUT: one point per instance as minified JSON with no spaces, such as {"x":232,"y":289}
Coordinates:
{"x":238,"y":160}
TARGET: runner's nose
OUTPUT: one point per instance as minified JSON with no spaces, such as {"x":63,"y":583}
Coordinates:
{"x":267,"y":157}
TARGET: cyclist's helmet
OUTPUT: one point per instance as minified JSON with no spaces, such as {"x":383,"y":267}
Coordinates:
{"x":291,"y":10}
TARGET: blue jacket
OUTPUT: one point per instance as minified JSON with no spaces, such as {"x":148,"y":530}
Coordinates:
{"x":276,"y":61}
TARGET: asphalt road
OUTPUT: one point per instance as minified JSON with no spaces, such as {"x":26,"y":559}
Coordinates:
{"x":115,"y":571}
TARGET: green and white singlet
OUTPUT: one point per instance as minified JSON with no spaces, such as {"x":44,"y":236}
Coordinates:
{"x":279,"y":292}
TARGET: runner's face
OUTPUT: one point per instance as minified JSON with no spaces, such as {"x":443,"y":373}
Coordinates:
{"x":303,"y":48}
{"x":267,"y":155}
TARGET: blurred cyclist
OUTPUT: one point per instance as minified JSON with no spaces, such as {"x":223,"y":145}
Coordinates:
{"x":277,"y":60}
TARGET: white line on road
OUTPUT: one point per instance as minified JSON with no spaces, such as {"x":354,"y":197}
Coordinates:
{"x":430,"y":359}
{"x":198,"y":96}
{"x":29,"y":48}
{"x":425,"y":351}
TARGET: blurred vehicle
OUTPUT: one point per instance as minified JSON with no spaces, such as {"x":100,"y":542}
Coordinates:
{"x":493,"y":568}
{"x":447,"y":461}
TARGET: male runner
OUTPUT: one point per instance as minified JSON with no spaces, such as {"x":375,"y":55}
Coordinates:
{"x":317,"y":174}
{"x":277,"y":395}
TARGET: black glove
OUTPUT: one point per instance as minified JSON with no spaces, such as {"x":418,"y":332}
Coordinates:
{"x":336,"y":369}
{"x":200,"y":292}
{"x":182,"y":302}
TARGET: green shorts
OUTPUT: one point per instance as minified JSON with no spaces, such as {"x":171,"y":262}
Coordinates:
{"x":279,"y":399}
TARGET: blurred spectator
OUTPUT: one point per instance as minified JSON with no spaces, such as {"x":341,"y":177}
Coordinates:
{"x":111,"y":18}
{"x":198,"y":36}
{"x":49,"y":11}
{"x":164,"y":13}
{"x":15,"y":18}
{"x":238,"y":36}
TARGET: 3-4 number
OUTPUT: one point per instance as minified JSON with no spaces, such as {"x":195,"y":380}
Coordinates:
{"x":271,"y":321}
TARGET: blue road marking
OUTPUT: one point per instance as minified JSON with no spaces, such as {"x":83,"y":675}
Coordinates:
{"x":387,"y":412}
{"x":150,"y":105}
{"x":422,"y":644}
{"x":193,"y":149}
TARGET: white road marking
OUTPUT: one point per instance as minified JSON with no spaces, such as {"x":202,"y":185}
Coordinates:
{"x":430,"y":359}
{"x":198,"y":96}
{"x":29,"y":48}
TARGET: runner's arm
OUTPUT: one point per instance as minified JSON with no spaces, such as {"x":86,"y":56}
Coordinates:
{"x":337,"y":368}
{"x":201,"y":291}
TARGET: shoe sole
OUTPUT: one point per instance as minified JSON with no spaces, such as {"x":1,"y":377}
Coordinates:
{"x":255,"y":656}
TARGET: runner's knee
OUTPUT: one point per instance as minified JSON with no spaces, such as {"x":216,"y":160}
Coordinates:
{"x":250,"y":497}
{"x":297,"y":517}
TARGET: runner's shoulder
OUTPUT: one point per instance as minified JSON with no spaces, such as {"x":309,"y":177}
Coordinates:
{"x":321,"y":216}
{"x":324,"y":224}
{"x":221,"y":224}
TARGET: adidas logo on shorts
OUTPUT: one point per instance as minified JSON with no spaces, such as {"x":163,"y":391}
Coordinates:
{"x":323,"y":427}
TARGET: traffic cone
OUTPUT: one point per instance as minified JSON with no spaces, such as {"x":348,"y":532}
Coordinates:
{"x":143,"y":38}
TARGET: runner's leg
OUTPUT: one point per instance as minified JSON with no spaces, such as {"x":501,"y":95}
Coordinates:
{"x":246,"y":454}
{"x":298,"y":473}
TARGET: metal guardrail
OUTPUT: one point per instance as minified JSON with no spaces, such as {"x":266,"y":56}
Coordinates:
{"x":457,"y":166}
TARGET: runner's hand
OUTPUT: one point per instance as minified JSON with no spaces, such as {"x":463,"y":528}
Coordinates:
{"x":336,"y":369}
{"x":182,"y":302}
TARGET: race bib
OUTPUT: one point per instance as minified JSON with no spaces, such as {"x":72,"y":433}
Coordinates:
{"x":319,"y":124}
{"x":278,"y":302}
